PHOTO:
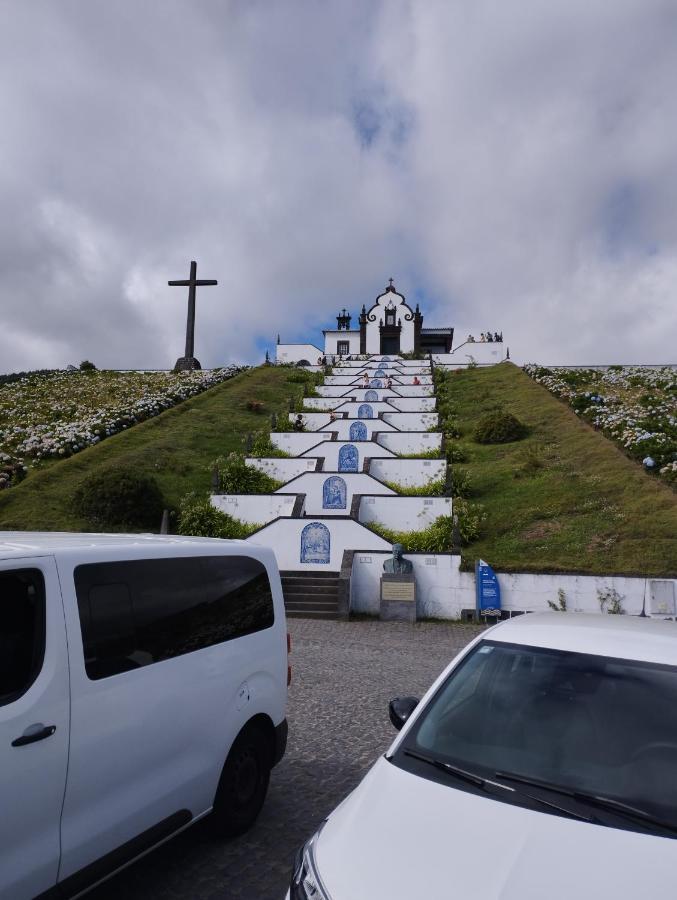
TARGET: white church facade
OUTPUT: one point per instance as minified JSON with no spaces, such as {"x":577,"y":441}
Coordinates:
{"x":390,"y":326}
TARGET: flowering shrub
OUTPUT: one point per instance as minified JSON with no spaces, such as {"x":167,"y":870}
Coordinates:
{"x":53,"y":415}
{"x":633,"y":405}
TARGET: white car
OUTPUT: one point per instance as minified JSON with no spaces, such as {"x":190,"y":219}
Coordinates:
{"x":143,"y":684}
{"x":541,"y":764}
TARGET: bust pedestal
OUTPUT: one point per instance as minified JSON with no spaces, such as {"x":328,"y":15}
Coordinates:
{"x":398,"y":598}
{"x":186,"y":364}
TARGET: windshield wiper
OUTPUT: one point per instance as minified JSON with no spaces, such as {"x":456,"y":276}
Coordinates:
{"x":607,"y":803}
{"x":479,"y":781}
{"x":463,"y":774}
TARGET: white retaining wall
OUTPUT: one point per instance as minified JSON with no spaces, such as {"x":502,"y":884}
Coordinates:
{"x":284,"y":537}
{"x":412,"y":421}
{"x":297,"y":442}
{"x":311,"y":485}
{"x":283,"y":469}
{"x":352,"y":409}
{"x":255,"y":509}
{"x":342,"y":427}
{"x":409,"y":379}
{"x":483,"y":354}
{"x":443,"y":590}
{"x":320,"y":403}
{"x":312,"y":421}
{"x":330,"y":451}
{"x":433,"y":574}
{"x":333,"y":390}
{"x":407,"y":442}
{"x":413,"y":404}
{"x":408,"y":472}
{"x":404,"y":513}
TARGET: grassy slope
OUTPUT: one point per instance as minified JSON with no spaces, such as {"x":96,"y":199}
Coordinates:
{"x":177,"y":447}
{"x":587,"y":508}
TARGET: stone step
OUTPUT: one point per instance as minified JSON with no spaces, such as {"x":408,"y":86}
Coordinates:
{"x":310,"y":614}
{"x":297,"y":596}
{"x":309,"y":584}
{"x":310,"y":603}
{"x":306,"y":574}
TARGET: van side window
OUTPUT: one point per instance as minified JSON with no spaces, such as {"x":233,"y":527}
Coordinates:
{"x":138,"y":612}
{"x":22,"y":631}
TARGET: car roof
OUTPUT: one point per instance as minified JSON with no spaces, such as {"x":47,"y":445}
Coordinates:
{"x":14,"y":543}
{"x":624,"y":637}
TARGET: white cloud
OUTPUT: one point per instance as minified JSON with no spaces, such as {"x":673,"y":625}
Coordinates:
{"x":512,"y":164}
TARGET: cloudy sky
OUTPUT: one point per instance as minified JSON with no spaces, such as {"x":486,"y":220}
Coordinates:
{"x":512,"y":165}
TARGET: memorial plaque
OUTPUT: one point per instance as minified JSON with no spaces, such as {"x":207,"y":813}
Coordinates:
{"x":398,"y":598}
{"x":398,"y":590}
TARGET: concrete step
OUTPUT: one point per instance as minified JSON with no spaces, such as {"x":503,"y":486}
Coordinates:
{"x":310,"y":582}
{"x":301,"y":573}
{"x":319,"y":602}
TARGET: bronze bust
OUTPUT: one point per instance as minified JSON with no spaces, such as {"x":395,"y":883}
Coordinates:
{"x":397,"y":565}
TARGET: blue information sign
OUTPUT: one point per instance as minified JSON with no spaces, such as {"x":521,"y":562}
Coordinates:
{"x":487,"y":589}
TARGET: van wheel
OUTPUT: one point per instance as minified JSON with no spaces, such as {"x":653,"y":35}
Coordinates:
{"x":244,"y":783}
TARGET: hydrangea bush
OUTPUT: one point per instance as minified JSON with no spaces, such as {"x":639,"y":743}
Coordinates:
{"x":54,"y":415}
{"x":635,"y":406}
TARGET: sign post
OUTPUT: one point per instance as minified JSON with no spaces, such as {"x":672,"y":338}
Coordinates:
{"x":487,"y":591}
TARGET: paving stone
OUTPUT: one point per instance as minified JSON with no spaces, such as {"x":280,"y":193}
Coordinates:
{"x":344,"y":675}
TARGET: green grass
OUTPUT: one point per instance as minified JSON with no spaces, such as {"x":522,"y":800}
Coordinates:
{"x":563,"y":499}
{"x":177,"y":447}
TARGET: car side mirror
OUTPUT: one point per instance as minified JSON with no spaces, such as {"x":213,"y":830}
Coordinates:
{"x":400,"y":708}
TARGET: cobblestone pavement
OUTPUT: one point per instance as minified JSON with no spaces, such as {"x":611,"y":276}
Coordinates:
{"x":344,"y":675}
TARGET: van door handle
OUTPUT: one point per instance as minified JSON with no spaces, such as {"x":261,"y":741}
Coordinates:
{"x":29,"y":737}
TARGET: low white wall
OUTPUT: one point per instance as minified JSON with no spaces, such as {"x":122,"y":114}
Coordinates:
{"x":359,"y":394}
{"x":312,"y":484}
{"x":283,"y":469}
{"x":433,"y":574}
{"x":339,"y":380}
{"x":407,"y":442}
{"x":320,"y":403}
{"x":443,"y":590}
{"x":255,"y":509}
{"x":330,"y":451}
{"x":404,"y":513}
{"x":312,"y":421}
{"x":342,"y":427}
{"x":413,"y":404}
{"x":293,"y":353}
{"x":334,"y":390}
{"x":414,"y":390}
{"x":408,"y":472}
{"x":284,"y":537}
{"x":352,"y":409}
{"x":411,"y":421}
{"x":464,"y":354}
{"x":297,"y":442}
{"x":409,"y":379}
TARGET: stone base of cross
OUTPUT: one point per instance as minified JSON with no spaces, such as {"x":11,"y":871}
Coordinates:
{"x":186,"y":364}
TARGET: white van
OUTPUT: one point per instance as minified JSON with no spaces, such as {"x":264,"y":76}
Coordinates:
{"x":143,"y":684}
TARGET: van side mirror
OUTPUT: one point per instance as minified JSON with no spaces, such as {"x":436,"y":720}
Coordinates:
{"x":400,"y":708}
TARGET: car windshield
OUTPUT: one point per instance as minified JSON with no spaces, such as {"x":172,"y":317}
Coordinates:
{"x":594,"y":725}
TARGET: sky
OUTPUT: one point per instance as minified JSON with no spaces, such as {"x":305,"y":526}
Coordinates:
{"x":513,"y":166}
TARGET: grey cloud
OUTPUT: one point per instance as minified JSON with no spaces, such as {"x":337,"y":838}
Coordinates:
{"x":514,"y":164}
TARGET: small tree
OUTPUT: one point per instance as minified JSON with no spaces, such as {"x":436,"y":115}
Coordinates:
{"x":87,"y":366}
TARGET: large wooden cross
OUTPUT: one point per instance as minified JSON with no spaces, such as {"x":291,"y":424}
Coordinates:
{"x":191,"y":284}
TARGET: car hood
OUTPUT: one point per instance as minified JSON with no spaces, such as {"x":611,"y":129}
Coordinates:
{"x":402,"y":836}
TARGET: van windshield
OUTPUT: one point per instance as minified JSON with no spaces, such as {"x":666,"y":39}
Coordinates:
{"x":539,"y":719}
